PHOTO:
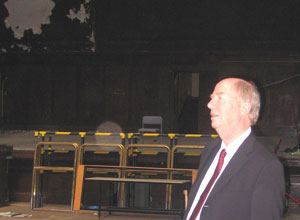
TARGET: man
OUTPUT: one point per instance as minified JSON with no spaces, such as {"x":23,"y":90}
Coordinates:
{"x":238,"y":178}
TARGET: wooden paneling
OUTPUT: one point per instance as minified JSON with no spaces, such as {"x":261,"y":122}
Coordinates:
{"x":82,"y":92}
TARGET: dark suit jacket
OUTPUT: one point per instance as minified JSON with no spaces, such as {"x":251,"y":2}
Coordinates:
{"x":252,"y":186}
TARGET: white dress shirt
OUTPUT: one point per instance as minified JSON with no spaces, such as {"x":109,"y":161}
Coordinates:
{"x":230,"y":151}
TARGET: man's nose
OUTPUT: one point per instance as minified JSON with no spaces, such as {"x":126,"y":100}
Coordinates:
{"x":210,"y":104}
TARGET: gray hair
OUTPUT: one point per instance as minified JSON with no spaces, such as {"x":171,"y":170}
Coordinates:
{"x":248,"y":92}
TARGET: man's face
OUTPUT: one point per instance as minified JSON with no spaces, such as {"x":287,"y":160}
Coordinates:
{"x":225,"y":109}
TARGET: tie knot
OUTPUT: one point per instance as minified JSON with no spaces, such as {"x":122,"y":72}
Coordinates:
{"x":223,"y":153}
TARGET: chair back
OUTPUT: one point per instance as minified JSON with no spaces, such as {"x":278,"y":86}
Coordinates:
{"x":152,"y":124}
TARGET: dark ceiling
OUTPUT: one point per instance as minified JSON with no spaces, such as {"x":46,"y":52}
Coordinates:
{"x":196,"y":19}
{"x":165,"y":25}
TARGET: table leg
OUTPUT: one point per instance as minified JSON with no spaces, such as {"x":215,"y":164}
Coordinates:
{"x":99,"y":206}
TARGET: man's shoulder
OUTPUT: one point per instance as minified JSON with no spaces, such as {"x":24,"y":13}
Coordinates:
{"x":212,"y":144}
{"x":262,"y":149}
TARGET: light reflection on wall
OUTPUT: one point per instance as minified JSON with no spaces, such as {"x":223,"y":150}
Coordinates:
{"x":109,"y":127}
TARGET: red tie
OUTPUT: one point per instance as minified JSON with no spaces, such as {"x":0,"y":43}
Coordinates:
{"x":209,"y":185}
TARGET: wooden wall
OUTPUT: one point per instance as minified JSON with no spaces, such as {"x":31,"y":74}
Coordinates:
{"x":82,"y":92}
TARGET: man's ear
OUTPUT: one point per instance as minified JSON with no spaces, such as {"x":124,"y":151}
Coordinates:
{"x":245,"y":108}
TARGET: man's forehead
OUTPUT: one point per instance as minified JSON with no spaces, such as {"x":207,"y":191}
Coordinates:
{"x":223,"y":94}
{"x":222,"y":89}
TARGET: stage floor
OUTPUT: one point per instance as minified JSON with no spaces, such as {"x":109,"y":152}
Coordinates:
{"x":63,"y":213}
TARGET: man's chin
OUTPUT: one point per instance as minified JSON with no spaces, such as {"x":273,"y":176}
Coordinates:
{"x":213,"y":125}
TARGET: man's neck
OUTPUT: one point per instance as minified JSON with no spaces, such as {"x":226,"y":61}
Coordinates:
{"x":229,"y":137}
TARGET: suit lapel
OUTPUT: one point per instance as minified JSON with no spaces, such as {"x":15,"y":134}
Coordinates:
{"x":206,"y":162}
{"x":236,"y":163}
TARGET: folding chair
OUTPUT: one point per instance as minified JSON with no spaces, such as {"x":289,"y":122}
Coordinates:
{"x":151,"y":124}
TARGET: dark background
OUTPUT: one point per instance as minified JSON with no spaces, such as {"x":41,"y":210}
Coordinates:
{"x":142,"y":61}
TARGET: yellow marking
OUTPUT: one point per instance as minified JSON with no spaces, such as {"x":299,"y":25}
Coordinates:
{"x":130,"y":135}
{"x":82,"y":134}
{"x":214,"y":135}
{"x":149,"y":153}
{"x":101,"y":152}
{"x":43,"y":133}
{"x":192,"y":154}
{"x":150,"y":134}
{"x":123,"y":135}
{"x":133,"y":150}
{"x":61,"y":151}
{"x":193,"y":135}
{"x":102,"y":134}
{"x":62,"y":132}
{"x":171,"y":136}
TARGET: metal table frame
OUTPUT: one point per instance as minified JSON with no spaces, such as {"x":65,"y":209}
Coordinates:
{"x":124,"y":179}
{"x":138,"y":209}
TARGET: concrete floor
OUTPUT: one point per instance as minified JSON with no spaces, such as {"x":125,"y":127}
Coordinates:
{"x":62,"y":213}
{"x":59,"y":213}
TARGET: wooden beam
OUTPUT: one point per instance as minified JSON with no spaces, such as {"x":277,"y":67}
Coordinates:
{"x":78,"y":187}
